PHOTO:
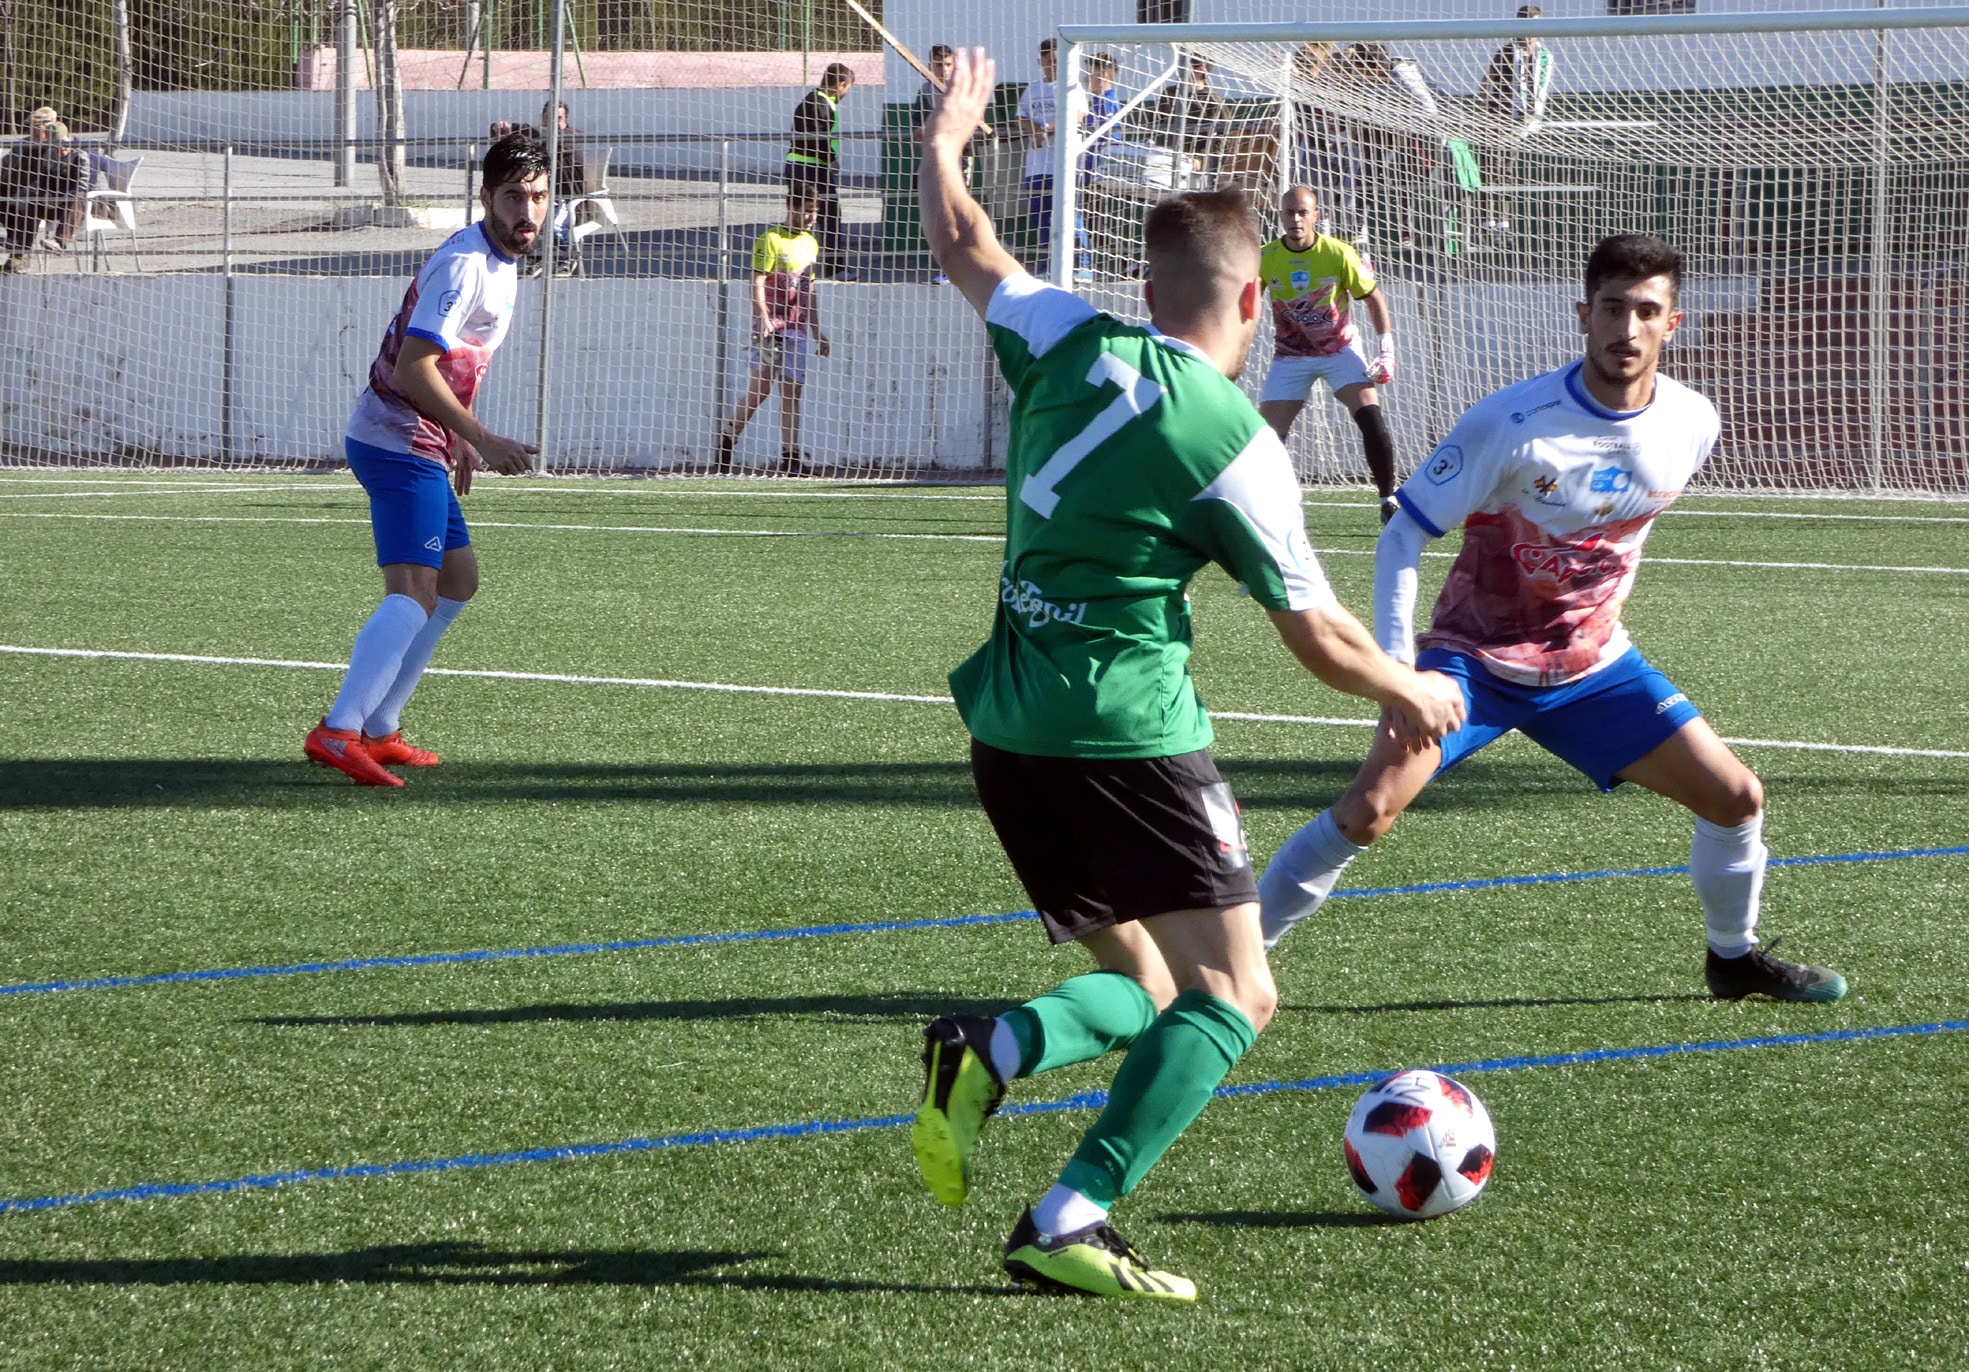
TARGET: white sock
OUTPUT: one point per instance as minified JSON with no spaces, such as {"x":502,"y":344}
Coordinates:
{"x":1301,"y":875}
{"x":1006,"y":1059}
{"x":1063,"y":1210}
{"x":373,"y":663}
{"x":384,"y":716}
{"x":1728,"y":867}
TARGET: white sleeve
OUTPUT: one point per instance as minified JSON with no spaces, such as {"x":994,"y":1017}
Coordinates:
{"x":1038,"y":313}
{"x":1263,"y":543}
{"x":1397,"y":564}
{"x":447,"y":295}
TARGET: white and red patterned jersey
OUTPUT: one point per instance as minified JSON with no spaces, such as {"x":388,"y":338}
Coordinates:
{"x":463,"y":301}
{"x":1556,"y":495}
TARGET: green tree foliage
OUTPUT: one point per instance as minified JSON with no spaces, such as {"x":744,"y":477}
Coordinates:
{"x":59,"y":53}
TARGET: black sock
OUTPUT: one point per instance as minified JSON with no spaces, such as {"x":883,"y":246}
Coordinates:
{"x":1379,"y":446}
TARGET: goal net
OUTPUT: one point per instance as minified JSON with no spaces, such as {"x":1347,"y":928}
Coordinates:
{"x":1813,"y":168}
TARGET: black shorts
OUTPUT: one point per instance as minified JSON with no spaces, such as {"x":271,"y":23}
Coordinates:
{"x":1099,"y":842}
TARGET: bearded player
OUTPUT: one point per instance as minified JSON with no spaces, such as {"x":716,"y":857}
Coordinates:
{"x":1134,"y":460}
{"x":412,"y":425}
{"x":1556,"y":482}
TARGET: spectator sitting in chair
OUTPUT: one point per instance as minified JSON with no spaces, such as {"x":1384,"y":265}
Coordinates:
{"x":42,"y":179}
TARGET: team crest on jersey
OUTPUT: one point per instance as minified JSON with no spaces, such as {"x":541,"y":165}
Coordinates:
{"x":1546,"y":490}
{"x":1611,"y":480}
{"x":1301,"y":280}
{"x":1447,"y":462}
{"x":448,"y":302}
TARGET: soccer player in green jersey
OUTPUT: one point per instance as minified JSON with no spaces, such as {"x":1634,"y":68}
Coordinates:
{"x":1133,"y":461}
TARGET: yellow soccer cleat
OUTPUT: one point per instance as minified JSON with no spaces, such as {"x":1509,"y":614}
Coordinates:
{"x":960,"y":1092}
{"x":1094,"y":1261}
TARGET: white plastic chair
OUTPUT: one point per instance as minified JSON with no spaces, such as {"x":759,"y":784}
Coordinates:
{"x":112,"y":207}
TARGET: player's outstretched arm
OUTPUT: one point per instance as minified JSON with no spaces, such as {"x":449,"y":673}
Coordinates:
{"x":1420,"y":706}
{"x":416,"y":375}
{"x":957,"y":227}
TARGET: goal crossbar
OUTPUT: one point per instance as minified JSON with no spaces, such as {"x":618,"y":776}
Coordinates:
{"x":1593,"y":26}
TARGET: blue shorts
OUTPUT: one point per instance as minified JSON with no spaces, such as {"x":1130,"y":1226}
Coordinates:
{"x":1599,"y":724}
{"x":412,"y":509}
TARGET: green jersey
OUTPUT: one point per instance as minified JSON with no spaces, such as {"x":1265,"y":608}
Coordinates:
{"x":1133,"y":462}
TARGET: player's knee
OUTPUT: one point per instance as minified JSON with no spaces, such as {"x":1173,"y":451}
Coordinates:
{"x":1363,"y":817}
{"x":1257,"y":997}
{"x":1740,"y":800}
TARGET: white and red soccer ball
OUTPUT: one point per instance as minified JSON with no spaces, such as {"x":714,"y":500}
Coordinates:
{"x":1419,"y":1144}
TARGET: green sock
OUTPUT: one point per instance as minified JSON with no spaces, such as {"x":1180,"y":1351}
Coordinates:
{"x":1078,"y":1020}
{"x":1164,"y":1082}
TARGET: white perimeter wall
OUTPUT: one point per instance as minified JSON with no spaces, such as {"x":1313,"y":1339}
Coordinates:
{"x":96,"y":365}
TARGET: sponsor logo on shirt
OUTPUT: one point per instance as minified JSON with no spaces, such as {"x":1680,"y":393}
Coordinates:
{"x":1612,"y":480}
{"x":1546,"y":490}
{"x":1556,"y":560}
{"x":1520,"y":416}
{"x":1447,"y":462}
{"x":1028,"y":601}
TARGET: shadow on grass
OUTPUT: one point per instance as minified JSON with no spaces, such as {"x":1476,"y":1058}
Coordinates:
{"x":451,"y":1264}
{"x":118,"y":783}
{"x":906,"y":1005}
{"x":1286,"y":1219}
{"x":1510,"y":1003}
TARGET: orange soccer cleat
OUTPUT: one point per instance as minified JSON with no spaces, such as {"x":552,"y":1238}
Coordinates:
{"x":392,"y":751}
{"x":342,"y":749}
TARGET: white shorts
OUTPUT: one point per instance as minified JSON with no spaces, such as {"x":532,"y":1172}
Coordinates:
{"x":1291,"y":378}
{"x":783,"y":355}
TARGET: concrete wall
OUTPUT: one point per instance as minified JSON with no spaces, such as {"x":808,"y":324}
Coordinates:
{"x":95,"y":365}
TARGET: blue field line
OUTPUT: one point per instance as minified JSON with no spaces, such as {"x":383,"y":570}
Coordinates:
{"x":887,"y":926}
{"x":806,"y":1129}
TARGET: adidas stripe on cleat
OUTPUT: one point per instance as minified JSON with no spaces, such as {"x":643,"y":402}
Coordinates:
{"x":392,"y":751}
{"x":342,"y":750}
{"x":1757,"y":973}
{"x":960,"y":1092}
{"x":1094,"y":1261}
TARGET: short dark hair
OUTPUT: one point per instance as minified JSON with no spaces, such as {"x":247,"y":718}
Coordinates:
{"x":519,"y":156}
{"x":940,"y":51}
{"x":1102,"y":62}
{"x":1049,"y":45}
{"x":1634,"y":257}
{"x":838,"y":74}
{"x":1199,"y":242}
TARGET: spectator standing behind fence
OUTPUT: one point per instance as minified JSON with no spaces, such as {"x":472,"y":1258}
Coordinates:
{"x":784,"y":316}
{"x":813,"y":162}
{"x":42,"y":178}
{"x":943,"y":61}
{"x":1512,"y":98}
{"x":1195,"y":122}
{"x":1097,"y":216}
{"x":1039,"y":117}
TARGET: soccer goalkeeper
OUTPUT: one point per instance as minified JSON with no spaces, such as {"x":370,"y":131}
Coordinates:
{"x":1133,"y":461}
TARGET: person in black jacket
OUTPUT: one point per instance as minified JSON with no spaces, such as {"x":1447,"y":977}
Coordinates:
{"x":42,"y":178}
{"x":813,"y":160}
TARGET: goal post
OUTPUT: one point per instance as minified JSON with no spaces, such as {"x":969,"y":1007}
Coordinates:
{"x":1813,"y":168}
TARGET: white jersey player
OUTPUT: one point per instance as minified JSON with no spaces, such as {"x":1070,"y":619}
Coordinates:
{"x":1556,"y":482}
{"x":411,"y":427}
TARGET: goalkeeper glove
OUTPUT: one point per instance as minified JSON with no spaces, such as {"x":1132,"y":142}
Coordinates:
{"x":1382,"y":370}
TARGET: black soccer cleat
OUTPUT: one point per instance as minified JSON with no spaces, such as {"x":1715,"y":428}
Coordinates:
{"x":1095,"y":1261}
{"x":1390,"y":507}
{"x":1757,"y":973}
{"x":725,"y":445}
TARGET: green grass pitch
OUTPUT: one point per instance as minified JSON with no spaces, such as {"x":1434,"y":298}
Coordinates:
{"x":1788,"y":1206}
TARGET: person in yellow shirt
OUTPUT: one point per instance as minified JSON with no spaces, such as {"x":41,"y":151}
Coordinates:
{"x":1313,"y":280}
{"x":785,"y":317}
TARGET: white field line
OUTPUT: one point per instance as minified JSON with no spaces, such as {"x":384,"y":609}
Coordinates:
{"x":907,"y":538}
{"x":181,"y":490}
{"x":506,"y":524}
{"x":663,"y":683}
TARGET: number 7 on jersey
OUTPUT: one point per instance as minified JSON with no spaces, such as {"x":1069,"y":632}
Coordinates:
{"x":1138,"y":396}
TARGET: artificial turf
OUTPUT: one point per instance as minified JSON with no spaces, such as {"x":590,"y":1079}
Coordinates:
{"x":1788,"y":1206}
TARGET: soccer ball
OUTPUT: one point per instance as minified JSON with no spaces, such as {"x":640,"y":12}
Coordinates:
{"x":1419,"y":1144}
